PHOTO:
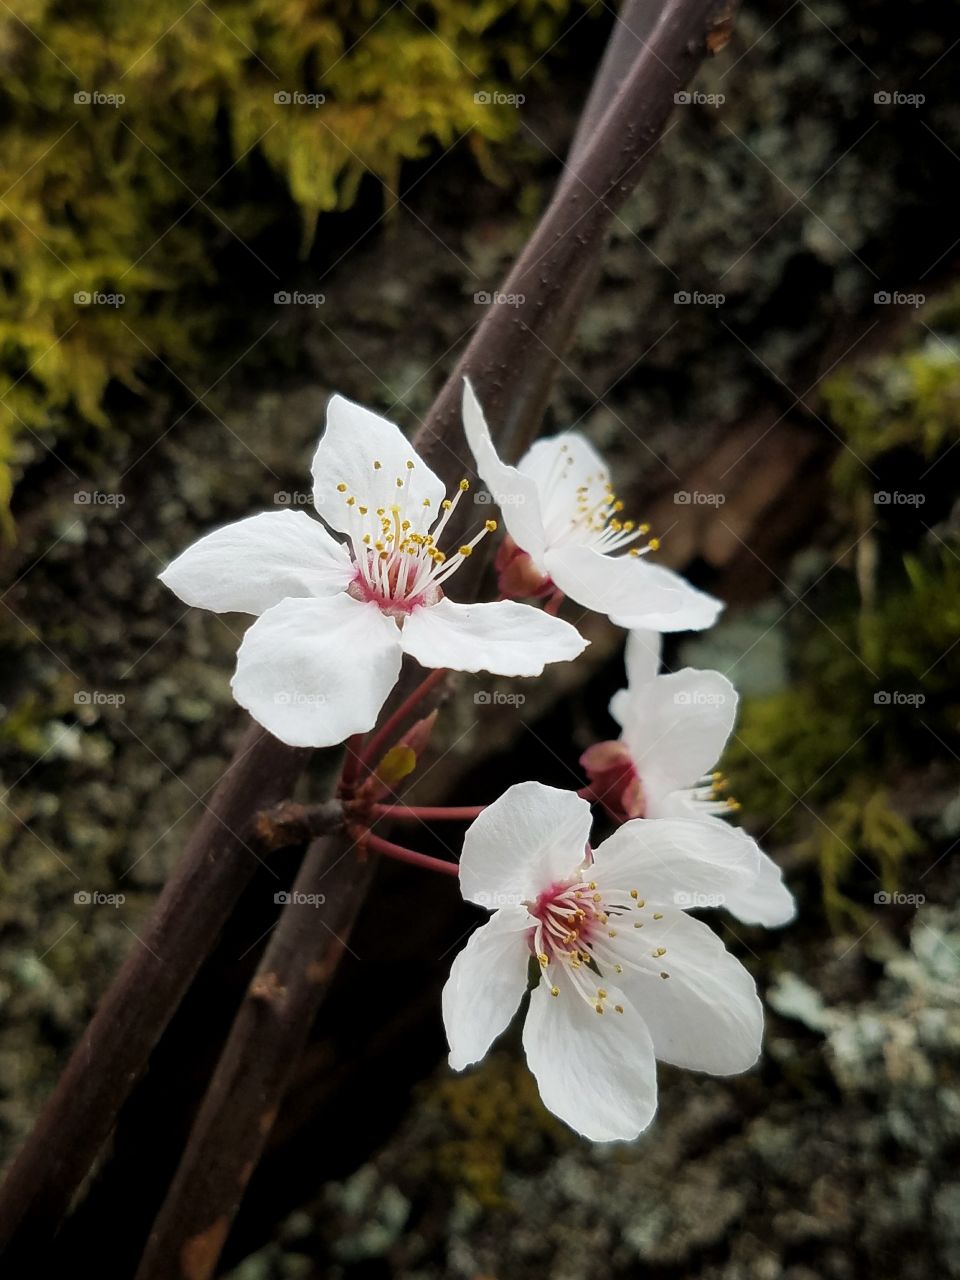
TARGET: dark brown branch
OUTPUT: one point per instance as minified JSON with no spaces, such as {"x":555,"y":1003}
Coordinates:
{"x":290,"y":823}
{"x":505,"y":361}
{"x":266,"y":1039}
{"x":243,"y":1099}
{"x":216,"y":866}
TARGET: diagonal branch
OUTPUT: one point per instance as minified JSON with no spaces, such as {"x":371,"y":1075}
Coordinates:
{"x":234,"y":1121}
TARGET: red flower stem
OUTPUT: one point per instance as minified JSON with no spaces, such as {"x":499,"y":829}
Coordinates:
{"x":428,"y":813}
{"x":553,"y":604}
{"x":588,"y":793}
{"x":402,"y":854}
{"x":352,"y":760}
{"x":382,"y":738}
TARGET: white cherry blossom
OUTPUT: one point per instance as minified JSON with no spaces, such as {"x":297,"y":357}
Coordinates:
{"x":625,"y":975}
{"x":566,"y":530}
{"x":336,"y":616}
{"x":674,"y":729}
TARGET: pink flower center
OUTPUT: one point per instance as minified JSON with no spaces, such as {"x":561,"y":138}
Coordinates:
{"x":393,"y":539}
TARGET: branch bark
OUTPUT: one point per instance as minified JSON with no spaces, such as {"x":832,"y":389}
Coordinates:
{"x":236,"y":1116}
{"x":507,"y":363}
{"x":266,"y":1039}
{"x":113,"y":1050}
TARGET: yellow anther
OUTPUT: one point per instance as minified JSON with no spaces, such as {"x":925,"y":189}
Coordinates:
{"x":634,"y":894}
{"x":658,"y":915}
{"x":446,"y":504}
{"x":465,"y":551}
{"x":490,"y":525}
{"x":618,"y":968}
{"x":399,"y":482}
{"x":464,"y":486}
{"x":377,"y":466}
{"x":654,"y":544}
{"x":351,"y":501}
{"x":601,"y":994}
{"x":341,"y":487}
{"x":660,"y":951}
{"x":663,"y":974}
{"x":426,"y":502}
{"x":362,"y":510}
{"x":554,"y":991}
{"x":599,"y":1008}
{"x":619,"y":1008}
{"x":409,"y":465}
{"x":543,"y":958}
{"x":644,"y":528}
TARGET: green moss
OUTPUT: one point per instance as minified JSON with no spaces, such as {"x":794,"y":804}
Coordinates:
{"x":139,"y":198}
{"x":494,"y":1118}
{"x":874,"y":669}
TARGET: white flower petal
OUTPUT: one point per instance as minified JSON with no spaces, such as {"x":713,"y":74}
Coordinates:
{"x":767,"y":902}
{"x":683,"y":863}
{"x":486,"y":984}
{"x":502,"y":636}
{"x":515,"y":494}
{"x":610,"y":584}
{"x":642,"y":660}
{"x":642,"y":656}
{"x":314,"y":672}
{"x":595,"y":1071}
{"x":675,"y":727}
{"x":689,"y":609}
{"x":563,"y":467}
{"x":354,"y":441}
{"x":529,"y":838}
{"x":706,"y":1014}
{"x":252,"y":565}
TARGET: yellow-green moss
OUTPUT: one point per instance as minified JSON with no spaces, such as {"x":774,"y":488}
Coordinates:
{"x":494,"y":1116}
{"x":131,"y":198}
{"x":821,"y":760}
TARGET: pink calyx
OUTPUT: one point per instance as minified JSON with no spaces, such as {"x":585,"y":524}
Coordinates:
{"x":614,"y":780}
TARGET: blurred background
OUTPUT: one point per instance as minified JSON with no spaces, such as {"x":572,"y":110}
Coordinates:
{"x":213,"y":215}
